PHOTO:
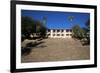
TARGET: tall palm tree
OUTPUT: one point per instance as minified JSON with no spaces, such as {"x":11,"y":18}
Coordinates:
{"x":44,"y":21}
{"x":70,"y":18}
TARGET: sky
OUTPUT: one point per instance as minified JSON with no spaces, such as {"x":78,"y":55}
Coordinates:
{"x":58,"y":20}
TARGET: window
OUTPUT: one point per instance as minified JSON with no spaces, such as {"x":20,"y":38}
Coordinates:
{"x":53,"y":30}
{"x":53,"y":34}
{"x":70,"y":30}
{"x":67,"y":30}
{"x":48,"y":30}
{"x":48,"y":34}
{"x":62,"y":34}
{"x":58,"y":30}
{"x":67,"y":34}
{"x":70,"y":34}
{"x":62,"y":30}
{"x":58,"y":34}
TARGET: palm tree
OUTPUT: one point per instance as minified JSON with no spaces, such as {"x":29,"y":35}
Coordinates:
{"x":44,"y":20}
{"x":70,"y":18}
{"x":43,"y":27}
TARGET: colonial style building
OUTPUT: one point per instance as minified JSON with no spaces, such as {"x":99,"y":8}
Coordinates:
{"x":59,"y":33}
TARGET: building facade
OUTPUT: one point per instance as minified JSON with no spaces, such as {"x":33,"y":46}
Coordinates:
{"x":59,"y":33}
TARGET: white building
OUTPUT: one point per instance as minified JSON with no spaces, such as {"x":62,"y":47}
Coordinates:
{"x":59,"y":33}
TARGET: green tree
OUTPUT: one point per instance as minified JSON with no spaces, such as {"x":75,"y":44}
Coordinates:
{"x":87,"y":31}
{"x":78,"y":32}
{"x":43,"y":31}
{"x":31,"y":26}
{"x":27,"y":26}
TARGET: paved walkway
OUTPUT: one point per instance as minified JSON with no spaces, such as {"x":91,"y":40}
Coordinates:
{"x":57,"y":50}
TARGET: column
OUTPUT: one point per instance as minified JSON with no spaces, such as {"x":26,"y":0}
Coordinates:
{"x":51,"y":33}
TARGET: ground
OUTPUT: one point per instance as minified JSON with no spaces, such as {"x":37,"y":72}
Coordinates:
{"x":55,"y":50}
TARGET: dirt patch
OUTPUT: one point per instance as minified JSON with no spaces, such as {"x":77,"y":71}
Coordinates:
{"x":57,"y":50}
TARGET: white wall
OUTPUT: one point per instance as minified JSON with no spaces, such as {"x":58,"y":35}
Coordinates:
{"x":5,"y":37}
{"x":54,"y":34}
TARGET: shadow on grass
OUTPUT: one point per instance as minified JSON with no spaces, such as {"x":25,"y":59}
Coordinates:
{"x":29,"y":46}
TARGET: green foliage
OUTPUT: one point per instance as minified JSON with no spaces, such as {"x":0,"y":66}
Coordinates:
{"x":82,"y":33}
{"x":30,"y":26}
{"x":43,"y":31}
{"x":78,"y":32}
{"x":27,"y":26}
{"x":87,"y":30}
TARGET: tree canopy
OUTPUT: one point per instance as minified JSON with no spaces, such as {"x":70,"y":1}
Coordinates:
{"x":82,"y":33}
{"x":78,"y":32}
{"x":30,"y":26}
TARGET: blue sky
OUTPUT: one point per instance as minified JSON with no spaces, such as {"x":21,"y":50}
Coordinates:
{"x":58,"y":20}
